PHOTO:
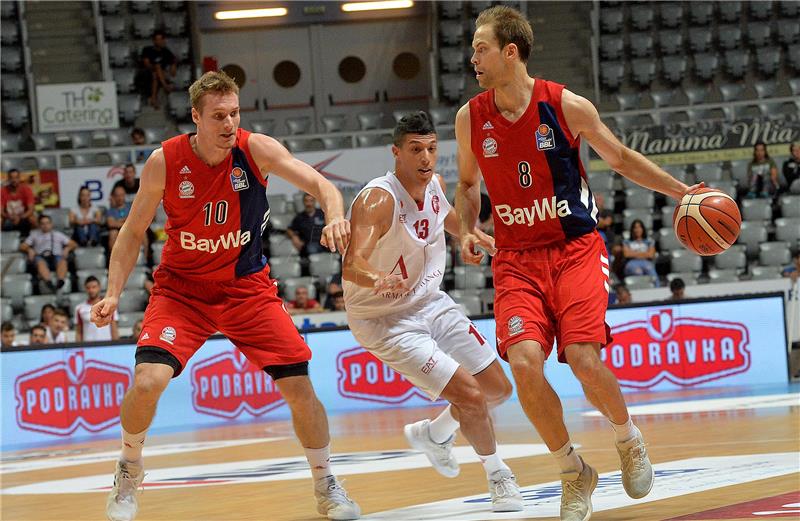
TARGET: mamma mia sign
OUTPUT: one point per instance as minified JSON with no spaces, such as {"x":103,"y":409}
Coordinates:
{"x":77,"y":106}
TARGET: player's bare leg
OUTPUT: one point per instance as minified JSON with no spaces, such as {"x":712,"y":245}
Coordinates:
{"x":469,"y":410}
{"x":494,"y":384}
{"x":136,"y":414}
{"x":604,"y":392}
{"x":311,"y":426}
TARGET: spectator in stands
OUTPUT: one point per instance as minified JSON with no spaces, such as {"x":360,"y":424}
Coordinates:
{"x":302,"y":303}
{"x":791,"y":167}
{"x":639,"y":252}
{"x":334,"y":287}
{"x":48,"y":249}
{"x":38,"y":335}
{"x":129,"y":183}
{"x":306,"y":228}
{"x":85,"y":220}
{"x":485,"y":221}
{"x":792,"y":271}
{"x":18,"y":204}
{"x":677,"y":287}
{"x":116,"y":214}
{"x":57,"y":327}
{"x":85,"y":330}
{"x":45,"y":198}
{"x":158,"y":68}
{"x":605,"y":223}
{"x":138,"y":138}
{"x":338,"y":301}
{"x":137,"y":329}
{"x":622,"y":294}
{"x":8,"y":334}
{"x":762,"y":173}
{"x":46,"y":314}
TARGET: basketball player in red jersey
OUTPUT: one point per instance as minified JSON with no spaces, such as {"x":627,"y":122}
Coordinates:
{"x":213,"y":277}
{"x":551,"y":270}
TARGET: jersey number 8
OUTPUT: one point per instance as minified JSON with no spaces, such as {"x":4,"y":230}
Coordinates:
{"x":525,"y":178}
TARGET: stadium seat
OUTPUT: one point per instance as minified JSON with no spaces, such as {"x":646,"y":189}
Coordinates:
{"x":689,"y":278}
{"x":736,"y":63}
{"x":601,"y":182}
{"x":337,"y":143}
{"x":790,"y":205}
{"x":673,"y":69}
{"x":734,"y":258}
{"x":466,"y":277}
{"x":788,"y":229}
{"x":643,"y":71}
{"x":612,"y":47}
{"x":751,"y":235}
{"x":16,"y":288}
{"x":128,"y":319}
{"x":682,"y":260}
{"x":670,"y":42}
{"x":671,"y":14}
{"x":34,"y":303}
{"x":324,"y":264}
{"x":281,"y":221}
{"x":155,"y":135}
{"x":756,"y":210}
{"x":158,"y":249}
{"x":334,"y":122}
{"x":768,"y":61}
{"x":628,"y":101}
{"x":788,"y":30}
{"x":16,"y":113}
{"x":125,"y":80}
{"x":9,"y":32}
{"x":640,"y":282}
{"x":59,"y":216}
{"x":731,"y":91}
{"x":183,"y":77}
{"x":14,"y":264}
{"x":263,"y":126}
{"x":641,"y":44}
{"x":700,"y":13}
{"x":760,"y":10}
{"x":11,"y":57}
{"x":370,"y":120}
{"x":303,"y":145}
{"x":450,"y":9}
{"x":9,"y":241}
{"x":789,"y":9}
{"x":612,"y":74}
{"x":129,"y":107}
{"x":708,"y":172}
{"x":451,"y":32}
{"x":765,"y":272}
{"x":115,"y":27}
{"x":284,"y":267}
{"x":443,"y":116}
{"x":471,"y":303}
{"x":289,"y":285}
{"x":133,"y":300}
{"x":451,"y":59}
{"x":181,"y":48}
{"x":174,"y":23}
{"x":667,"y":241}
{"x":5,"y":304}
{"x":729,"y":37}
{"x":793,"y":57}
{"x":758,"y":33}
{"x":281,"y":246}
{"x":611,"y":20}
{"x":90,"y":259}
{"x":639,"y":198}
{"x":699,"y":39}
{"x":173,"y":5}
{"x":705,"y":66}
{"x":136,"y":279}
{"x":299,"y":125}
{"x":453,"y":86}
{"x":730,"y":12}
{"x":144,"y":25}
{"x":100,"y":274}
{"x":719,"y":276}
{"x":631,"y":214}
{"x":9,"y":142}
{"x":765,"y":89}
{"x":8,"y":9}
{"x":13,"y":86}
{"x":641,"y":16}
{"x":487,"y":300}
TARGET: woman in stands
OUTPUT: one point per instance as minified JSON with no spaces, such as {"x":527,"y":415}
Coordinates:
{"x":639,"y":252}
{"x":762,"y":173}
{"x":85,"y":220}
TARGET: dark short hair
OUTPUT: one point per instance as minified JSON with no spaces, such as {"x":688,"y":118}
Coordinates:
{"x":159,"y":32}
{"x":130,"y":165}
{"x":419,"y":122}
{"x":621,"y":287}
{"x":91,"y":278}
{"x":44,"y":216}
{"x":39,"y":326}
{"x":137,"y":130}
{"x":7,"y":326}
{"x":677,"y":284}
{"x":11,"y":171}
{"x":81,"y":189}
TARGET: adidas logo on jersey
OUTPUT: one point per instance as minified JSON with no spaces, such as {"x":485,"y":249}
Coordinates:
{"x":230,"y":240}
{"x":542,"y":210}
{"x":488,"y":125}
{"x":185,"y":170}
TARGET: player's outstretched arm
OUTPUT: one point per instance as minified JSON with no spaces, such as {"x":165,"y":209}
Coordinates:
{"x":453,"y":227}
{"x":370,"y":219}
{"x":468,"y":191}
{"x":583,"y":119}
{"x":131,"y":235}
{"x":272,"y":157}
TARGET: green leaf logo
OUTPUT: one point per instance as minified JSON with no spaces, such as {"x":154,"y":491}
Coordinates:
{"x":96,"y":95}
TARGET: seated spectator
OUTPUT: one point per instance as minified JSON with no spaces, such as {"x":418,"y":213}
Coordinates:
{"x":56,"y":329}
{"x":622,"y":294}
{"x":639,"y":252}
{"x":338,"y":301}
{"x":159,"y":66}
{"x":139,"y":139}
{"x":792,"y":271}
{"x":45,"y":198}
{"x":677,"y":287}
{"x":791,"y":167}
{"x":302,"y":303}
{"x":85,"y":220}
{"x":48,"y":250}
{"x":46,"y":314}
{"x":605,"y":224}
{"x":334,"y":287}
{"x":116,"y":214}
{"x":129,"y":183}
{"x":18,"y":204}
{"x":8,"y":334}
{"x":306,"y":228}
{"x":38,"y":335}
{"x":137,"y":329}
{"x":762,"y":173}
{"x":85,"y":330}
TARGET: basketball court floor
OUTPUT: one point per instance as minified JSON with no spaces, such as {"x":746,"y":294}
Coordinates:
{"x":731,"y":454}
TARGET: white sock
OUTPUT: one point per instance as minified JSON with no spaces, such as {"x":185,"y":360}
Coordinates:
{"x":320,"y":462}
{"x":492,"y":463}
{"x":567,"y":458}
{"x":132,"y":445}
{"x":443,"y":426}
{"x":624,"y":432}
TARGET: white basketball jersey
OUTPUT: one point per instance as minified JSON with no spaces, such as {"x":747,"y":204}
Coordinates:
{"x":413,"y":247}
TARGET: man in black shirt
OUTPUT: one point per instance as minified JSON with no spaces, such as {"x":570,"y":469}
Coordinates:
{"x":306,"y":228}
{"x":159,"y":66}
{"x":129,"y":183}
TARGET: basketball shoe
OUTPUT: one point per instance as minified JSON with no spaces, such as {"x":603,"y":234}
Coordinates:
{"x":332,"y":500}
{"x":637,"y":472}
{"x":505,"y":493}
{"x":440,"y":454}
{"x":121,"y":504}
{"x":576,"y":493}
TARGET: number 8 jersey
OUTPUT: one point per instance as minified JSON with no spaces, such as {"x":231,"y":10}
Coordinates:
{"x":532,"y":171}
{"x":414,"y":248}
{"x":215,"y":215}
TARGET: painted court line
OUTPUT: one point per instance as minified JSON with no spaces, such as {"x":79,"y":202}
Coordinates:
{"x":715,"y":404}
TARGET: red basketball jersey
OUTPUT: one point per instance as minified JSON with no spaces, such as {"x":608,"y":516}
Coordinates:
{"x":532,"y":171}
{"x":215,"y":215}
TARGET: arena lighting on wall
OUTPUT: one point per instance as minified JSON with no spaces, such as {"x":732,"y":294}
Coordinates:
{"x":376,"y":6}
{"x":251,"y":13}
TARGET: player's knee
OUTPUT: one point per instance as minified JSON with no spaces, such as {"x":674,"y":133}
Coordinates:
{"x":148,"y":384}
{"x":470,"y":400}
{"x":585,"y":364}
{"x":526,"y":360}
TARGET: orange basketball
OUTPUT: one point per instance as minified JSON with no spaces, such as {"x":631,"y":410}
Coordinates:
{"x":707,"y":221}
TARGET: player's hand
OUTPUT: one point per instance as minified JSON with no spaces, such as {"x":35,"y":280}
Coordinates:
{"x":390,"y":283}
{"x":470,"y":253}
{"x":103,"y":312}
{"x":691,"y":189}
{"x":485,"y":241}
{"x":336,"y":235}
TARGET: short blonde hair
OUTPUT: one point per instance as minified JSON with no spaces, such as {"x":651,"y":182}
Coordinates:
{"x":510,"y":26}
{"x":216,"y":82}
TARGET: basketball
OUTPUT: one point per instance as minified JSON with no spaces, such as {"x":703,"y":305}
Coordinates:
{"x":707,"y":221}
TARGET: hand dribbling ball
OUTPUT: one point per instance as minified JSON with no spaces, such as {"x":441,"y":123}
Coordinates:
{"x":707,"y":221}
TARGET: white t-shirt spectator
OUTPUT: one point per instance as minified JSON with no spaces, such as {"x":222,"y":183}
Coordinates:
{"x":61,"y":338}
{"x":91,"y":333}
{"x":53,"y":241}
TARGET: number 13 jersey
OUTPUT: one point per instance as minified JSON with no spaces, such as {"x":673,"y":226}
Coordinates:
{"x":414,"y":248}
{"x":532,"y":171}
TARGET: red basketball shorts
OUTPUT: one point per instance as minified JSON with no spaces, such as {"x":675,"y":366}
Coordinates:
{"x":183,"y":313}
{"x":556,"y":292}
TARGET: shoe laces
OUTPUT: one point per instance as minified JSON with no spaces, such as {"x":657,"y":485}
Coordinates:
{"x":572,"y":496}
{"x":128,"y":484}
{"x":334,"y":491}
{"x":634,"y":458}
{"x":505,"y":486}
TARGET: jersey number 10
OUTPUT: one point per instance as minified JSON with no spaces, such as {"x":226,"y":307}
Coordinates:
{"x":219,"y":213}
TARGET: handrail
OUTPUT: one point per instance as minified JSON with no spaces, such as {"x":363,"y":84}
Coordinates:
{"x":102,"y":46}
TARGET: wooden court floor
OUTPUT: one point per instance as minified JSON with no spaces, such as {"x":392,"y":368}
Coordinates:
{"x":741,"y":461}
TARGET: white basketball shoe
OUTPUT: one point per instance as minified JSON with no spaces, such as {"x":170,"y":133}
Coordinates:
{"x":505,"y":493}
{"x":439,"y":454}
{"x":332,"y":500}
{"x":121,"y":504}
